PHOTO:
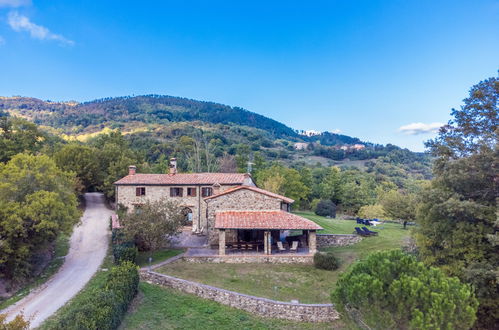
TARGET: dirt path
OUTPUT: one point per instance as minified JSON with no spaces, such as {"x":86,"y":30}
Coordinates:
{"x":88,"y":246}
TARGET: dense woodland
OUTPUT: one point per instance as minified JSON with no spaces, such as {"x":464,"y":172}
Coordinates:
{"x":52,"y":152}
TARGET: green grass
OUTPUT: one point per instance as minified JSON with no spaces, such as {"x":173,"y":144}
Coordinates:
{"x":157,"y":257}
{"x":61,"y":250}
{"x":163,"y":308}
{"x":96,"y":281}
{"x":281,"y":282}
{"x":286,"y":282}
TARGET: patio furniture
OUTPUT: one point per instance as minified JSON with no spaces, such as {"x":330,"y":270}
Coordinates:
{"x":294,"y":247}
{"x":280,"y":248}
{"x":369,"y":232}
{"x":360,"y":232}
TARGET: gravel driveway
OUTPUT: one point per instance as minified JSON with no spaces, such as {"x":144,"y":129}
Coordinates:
{"x":88,"y":246}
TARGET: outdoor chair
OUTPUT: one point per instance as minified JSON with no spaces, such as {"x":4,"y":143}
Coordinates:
{"x":360,"y":232}
{"x":280,"y":248}
{"x":369,"y":232}
{"x":294,"y":247}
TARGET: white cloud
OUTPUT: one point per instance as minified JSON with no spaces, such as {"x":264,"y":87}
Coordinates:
{"x":336,"y":131}
{"x":14,"y":3}
{"x":21,"y":23}
{"x":420,"y":128}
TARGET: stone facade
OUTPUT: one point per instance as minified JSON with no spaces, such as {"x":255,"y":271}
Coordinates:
{"x":125,"y":195}
{"x":326,"y":240}
{"x":243,"y":199}
{"x":256,"y":305}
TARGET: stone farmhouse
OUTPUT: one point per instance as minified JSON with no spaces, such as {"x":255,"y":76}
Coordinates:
{"x":226,"y":207}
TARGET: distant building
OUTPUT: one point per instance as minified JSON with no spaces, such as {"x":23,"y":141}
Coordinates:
{"x":310,"y":132}
{"x":300,"y":146}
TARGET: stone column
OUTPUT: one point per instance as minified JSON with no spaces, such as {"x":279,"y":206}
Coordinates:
{"x":312,"y":241}
{"x":266,"y":241}
{"x":221,"y":242}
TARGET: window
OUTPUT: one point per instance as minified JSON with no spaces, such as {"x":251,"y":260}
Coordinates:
{"x":206,"y":192}
{"x":176,"y":192}
{"x":191,"y":192}
{"x":140,"y":191}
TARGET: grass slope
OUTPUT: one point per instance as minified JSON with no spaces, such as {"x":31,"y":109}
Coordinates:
{"x":162,"y":308}
{"x":157,"y":257}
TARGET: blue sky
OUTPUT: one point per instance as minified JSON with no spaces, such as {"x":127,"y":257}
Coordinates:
{"x":365,"y":68}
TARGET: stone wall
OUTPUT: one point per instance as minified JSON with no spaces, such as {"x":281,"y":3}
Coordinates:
{"x":326,"y":240}
{"x":256,"y":305}
{"x":257,"y":259}
{"x":243,"y":199}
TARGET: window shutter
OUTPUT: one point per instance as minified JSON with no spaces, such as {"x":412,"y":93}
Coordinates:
{"x":172,"y":192}
{"x":137,"y":191}
{"x":180,"y":191}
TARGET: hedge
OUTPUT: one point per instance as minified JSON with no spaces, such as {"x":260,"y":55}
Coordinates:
{"x":105,"y":307}
{"x":326,"y":261}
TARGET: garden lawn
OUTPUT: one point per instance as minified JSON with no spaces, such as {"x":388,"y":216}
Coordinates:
{"x":279,"y":282}
{"x":297,"y":281}
{"x":157,"y":257}
{"x":163,"y":308}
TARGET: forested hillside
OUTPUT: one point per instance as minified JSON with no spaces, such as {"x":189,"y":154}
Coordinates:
{"x":155,"y":124}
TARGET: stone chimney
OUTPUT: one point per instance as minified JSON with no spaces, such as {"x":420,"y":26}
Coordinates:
{"x":132,"y":169}
{"x":173,"y":166}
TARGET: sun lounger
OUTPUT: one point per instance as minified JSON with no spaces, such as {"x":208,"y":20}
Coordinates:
{"x":369,"y":232}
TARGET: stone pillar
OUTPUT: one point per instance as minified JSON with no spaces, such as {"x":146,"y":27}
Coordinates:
{"x":266,"y":242}
{"x":221,"y":242}
{"x":312,"y":241}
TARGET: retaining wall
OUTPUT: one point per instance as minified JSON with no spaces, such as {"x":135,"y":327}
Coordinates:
{"x":256,"y":305}
{"x":257,"y":259}
{"x":326,"y":240}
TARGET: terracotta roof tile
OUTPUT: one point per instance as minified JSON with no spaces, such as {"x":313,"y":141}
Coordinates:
{"x":258,"y":190}
{"x":182,"y":178}
{"x":262,"y":220}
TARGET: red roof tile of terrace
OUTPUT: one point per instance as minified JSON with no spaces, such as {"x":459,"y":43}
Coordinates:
{"x":263,"y":220}
{"x":258,"y":190}
{"x":182,"y":179}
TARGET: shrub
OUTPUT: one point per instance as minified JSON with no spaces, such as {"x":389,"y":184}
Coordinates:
{"x":18,"y":323}
{"x":392,"y":290}
{"x":124,"y":252}
{"x":326,"y":208}
{"x":104,"y":307}
{"x":326,"y":261}
{"x":371,"y":212}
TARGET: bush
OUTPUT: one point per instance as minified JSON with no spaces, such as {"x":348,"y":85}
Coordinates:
{"x":104,"y":307}
{"x":392,"y":290}
{"x":124,"y":252}
{"x":18,"y":323}
{"x":371,"y":212}
{"x":326,"y":208}
{"x":326,"y":261}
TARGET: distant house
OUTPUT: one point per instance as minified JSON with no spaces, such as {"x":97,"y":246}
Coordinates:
{"x":300,"y":145}
{"x":227,"y":207}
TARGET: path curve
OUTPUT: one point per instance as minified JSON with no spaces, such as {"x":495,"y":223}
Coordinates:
{"x":88,"y":247}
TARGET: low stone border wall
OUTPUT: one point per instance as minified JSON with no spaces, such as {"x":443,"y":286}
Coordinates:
{"x":326,"y":240}
{"x":256,"y":305}
{"x":259,"y":259}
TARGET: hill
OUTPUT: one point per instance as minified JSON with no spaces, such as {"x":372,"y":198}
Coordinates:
{"x":155,"y":124}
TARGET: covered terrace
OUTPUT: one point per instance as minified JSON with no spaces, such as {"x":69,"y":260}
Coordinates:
{"x":265,"y":232}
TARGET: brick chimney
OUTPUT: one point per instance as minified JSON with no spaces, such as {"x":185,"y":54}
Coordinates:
{"x":132,"y":169}
{"x":173,"y":166}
